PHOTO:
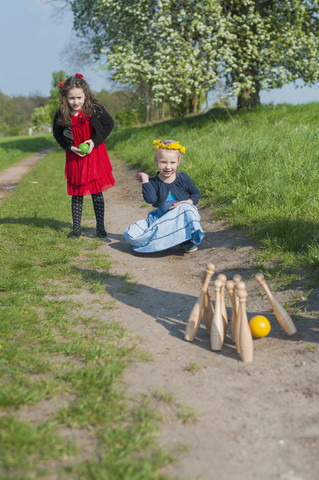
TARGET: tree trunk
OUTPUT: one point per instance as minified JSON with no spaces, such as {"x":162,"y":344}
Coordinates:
{"x":145,"y":90}
{"x":148,"y":113}
{"x":248,"y":98}
{"x":163,"y":111}
{"x":193,"y":104}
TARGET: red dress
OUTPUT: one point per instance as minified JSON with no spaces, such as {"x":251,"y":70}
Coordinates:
{"x":92,"y":173}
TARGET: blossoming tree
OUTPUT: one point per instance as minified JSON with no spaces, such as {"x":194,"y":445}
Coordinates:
{"x":173,"y":49}
{"x":273,"y":43}
{"x":179,"y":49}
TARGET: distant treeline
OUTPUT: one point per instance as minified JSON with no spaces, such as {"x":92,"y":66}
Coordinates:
{"x":16,"y":112}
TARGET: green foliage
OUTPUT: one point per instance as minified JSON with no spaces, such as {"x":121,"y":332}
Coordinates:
{"x":223,"y":102}
{"x":160,"y":46}
{"x":123,"y":106}
{"x":126,"y":118}
{"x":274,"y":42}
{"x":117,"y":101}
{"x":187,"y":104}
{"x":40,"y":117}
{"x":15,"y":113}
{"x":258,"y":170}
{"x":180,"y":50}
{"x":54,"y":99}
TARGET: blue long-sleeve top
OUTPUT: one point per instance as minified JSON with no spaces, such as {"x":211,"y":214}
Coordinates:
{"x":155,"y":191}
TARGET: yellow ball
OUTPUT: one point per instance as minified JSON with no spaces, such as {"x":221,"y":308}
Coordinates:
{"x":259,"y":326}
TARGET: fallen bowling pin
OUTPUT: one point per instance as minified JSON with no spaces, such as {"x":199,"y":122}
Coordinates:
{"x":284,"y":319}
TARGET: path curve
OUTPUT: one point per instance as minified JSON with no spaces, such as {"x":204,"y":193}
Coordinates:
{"x":12,"y":176}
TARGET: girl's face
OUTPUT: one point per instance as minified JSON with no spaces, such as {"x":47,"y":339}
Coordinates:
{"x":75,"y":98}
{"x":167,"y":162}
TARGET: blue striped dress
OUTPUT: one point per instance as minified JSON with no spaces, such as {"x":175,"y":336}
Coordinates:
{"x":165,"y":228}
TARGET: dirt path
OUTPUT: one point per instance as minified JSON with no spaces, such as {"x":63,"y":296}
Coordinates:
{"x":257,"y":421}
{"x":11,"y":177}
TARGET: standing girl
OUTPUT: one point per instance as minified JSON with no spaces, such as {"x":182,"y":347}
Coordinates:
{"x":176,"y":219}
{"x":81,"y":118}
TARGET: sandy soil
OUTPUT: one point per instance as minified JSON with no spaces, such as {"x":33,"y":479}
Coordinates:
{"x":256,"y":421}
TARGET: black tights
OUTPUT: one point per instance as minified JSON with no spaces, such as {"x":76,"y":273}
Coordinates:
{"x":98,"y":205}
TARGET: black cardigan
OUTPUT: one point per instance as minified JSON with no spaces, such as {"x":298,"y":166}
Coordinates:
{"x":102,"y":124}
{"x":155,"y":191}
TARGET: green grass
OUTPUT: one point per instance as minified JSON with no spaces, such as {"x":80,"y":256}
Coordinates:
{"x":52,"y":354}
{"x":256,"y":169}
{"x":14,"y":149}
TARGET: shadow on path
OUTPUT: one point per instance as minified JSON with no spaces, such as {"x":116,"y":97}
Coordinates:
{"x":171,"y":310}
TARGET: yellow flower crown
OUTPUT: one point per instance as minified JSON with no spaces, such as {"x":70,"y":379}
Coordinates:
{"x":168,"y":146}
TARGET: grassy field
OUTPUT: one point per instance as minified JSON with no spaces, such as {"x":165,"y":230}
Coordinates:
{"x":61,"y":370}
{"x":257,"y":169}
{"x":14,"y":149}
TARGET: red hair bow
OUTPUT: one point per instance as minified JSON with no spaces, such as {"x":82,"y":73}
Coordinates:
{"x":60,"y":84}
{"x":79,"y":75}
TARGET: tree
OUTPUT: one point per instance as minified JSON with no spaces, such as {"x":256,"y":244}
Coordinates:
{"x":169,"y":48}
{"x":54,"y":99}
{"x":176,"y":50}
{"x":273,"y":43}
{"x":123,"y":105}
{"x":41,"y":117}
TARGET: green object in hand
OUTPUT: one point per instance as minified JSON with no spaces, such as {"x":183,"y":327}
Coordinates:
{"x":84,"y":147}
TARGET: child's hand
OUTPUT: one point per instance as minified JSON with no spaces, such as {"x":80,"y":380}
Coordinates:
{"x":142,"y":177}
{"x":91,"y":145}
{"x":178,"y":203}
{"x":78,"y":152}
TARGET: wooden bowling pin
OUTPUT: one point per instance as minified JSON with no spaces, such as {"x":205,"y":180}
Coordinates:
{"x":237,"y":280}
{"x":283,"y":317}
{"x":217,"y":327}
{"x":223,"y":278}
{"x":197,"y":312}
{"x":208,"y":307}
{"x":245,"y":336}
{"x":230,"y":289}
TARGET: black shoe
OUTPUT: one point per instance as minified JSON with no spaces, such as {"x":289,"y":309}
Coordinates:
{"x":74,"y":235}
{"x":189,"y":247}
{"x":101,"y":233}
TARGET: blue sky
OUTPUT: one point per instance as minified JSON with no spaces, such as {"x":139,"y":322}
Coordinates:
{"x":32,"y":43}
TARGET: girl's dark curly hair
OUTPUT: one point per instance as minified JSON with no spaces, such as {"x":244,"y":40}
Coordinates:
{"x":90,"y":101}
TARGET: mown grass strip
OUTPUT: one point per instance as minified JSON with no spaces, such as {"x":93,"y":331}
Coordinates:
{"x":257,"y":169}
{"x":60,"y":369}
